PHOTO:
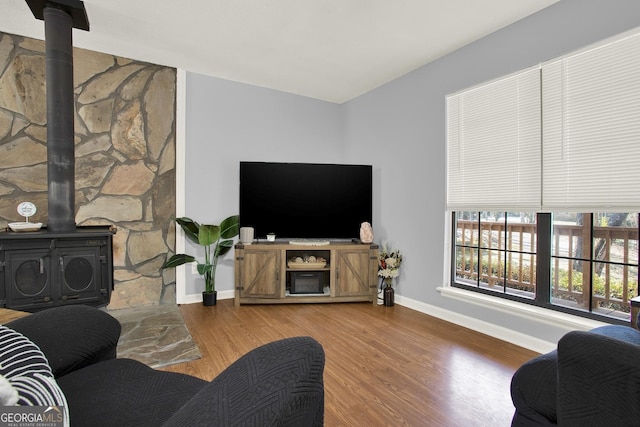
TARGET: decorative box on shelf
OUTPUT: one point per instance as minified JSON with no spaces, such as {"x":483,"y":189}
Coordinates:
{"x":306,"y":265}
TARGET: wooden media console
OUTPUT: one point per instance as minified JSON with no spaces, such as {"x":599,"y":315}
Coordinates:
{"x":268,"y":273}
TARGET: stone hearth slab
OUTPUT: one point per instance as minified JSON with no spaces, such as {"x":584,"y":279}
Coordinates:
{"x":155,"y":335}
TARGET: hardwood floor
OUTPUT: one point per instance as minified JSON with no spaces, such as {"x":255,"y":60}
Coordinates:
{"x":385,"y":366}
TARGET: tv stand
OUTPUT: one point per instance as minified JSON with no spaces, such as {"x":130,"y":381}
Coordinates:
{"x":267,"y":273}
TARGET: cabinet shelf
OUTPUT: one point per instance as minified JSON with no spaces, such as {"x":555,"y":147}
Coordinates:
{"x":307,"y":266}
{"x":326,"y":293}
{"x":327,"y":268}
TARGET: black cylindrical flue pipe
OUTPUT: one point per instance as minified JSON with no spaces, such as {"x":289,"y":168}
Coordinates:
{"x":60,"y":115}
{"x":60,"y":17}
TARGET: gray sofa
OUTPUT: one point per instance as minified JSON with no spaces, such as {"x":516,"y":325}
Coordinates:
{"x":591,"y":379}
{"x":278,"y":384}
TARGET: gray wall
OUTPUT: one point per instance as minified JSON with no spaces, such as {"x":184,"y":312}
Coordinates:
{"x":402,"y":125}
{"x":228,"y":122}
{"x":399,"y":128}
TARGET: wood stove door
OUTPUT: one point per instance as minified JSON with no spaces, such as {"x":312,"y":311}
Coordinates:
{"x":27,"y":278}
{"x":80,"y":274}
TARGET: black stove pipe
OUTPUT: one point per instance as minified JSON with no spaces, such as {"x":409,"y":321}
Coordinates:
{"x":60,"y":17}
{"x":60,"y":114}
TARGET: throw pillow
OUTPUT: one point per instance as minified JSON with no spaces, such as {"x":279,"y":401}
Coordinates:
{"x":26,"y":369}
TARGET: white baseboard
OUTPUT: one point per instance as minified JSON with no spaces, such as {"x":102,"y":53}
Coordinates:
{"x":502,"y":333}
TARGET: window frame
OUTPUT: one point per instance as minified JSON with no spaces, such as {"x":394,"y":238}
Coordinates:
{"x":543,"y":284}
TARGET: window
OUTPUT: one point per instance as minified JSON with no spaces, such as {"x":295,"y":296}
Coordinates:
{"x":563,"y":137}
{"x":583,"y":263}
{"x":594,"y":266}
{"x":496,"y":252}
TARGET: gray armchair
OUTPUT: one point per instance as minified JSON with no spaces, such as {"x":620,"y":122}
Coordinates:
{"x":278,"y":384}
{"x":592,"y":379}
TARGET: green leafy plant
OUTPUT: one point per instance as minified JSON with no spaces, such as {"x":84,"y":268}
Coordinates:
{"x":216,"y":240}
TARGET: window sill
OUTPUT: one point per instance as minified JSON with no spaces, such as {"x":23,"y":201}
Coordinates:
{"x":538,"y":314}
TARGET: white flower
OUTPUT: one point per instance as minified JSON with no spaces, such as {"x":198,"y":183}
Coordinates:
{"x":388,"y":273}
{"x":389,"y":264}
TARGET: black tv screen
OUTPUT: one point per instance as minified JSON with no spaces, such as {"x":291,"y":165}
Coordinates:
{"x":305,"y":200}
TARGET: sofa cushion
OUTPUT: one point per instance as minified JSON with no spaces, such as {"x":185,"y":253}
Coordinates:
{"x":619,"y":332}
{"x":277,"y":384}
{"x":71,"y":336}
{"x":125,"y":392}
{"x":26,"y":370}
{"x":533,"y":390}
{"x":599,"y":379}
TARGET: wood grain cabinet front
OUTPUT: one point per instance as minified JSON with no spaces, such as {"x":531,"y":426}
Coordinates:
{"x":344,"y":272}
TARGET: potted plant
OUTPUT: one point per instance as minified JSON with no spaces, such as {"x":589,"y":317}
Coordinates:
{"x":389,"y":261}
{"x":216,"y":240}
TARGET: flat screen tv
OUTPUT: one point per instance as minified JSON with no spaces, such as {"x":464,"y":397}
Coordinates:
{"x":305,"y":200}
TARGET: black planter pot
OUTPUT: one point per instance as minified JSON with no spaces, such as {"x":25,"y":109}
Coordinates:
{"x":388,"y":296}
{"x":209,"y":298}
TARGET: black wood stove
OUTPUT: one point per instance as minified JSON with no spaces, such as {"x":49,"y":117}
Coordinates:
{"x":61,"y":263}
{"x":43,"y":269}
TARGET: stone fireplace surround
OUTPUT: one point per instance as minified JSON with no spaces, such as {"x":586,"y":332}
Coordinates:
{"x":125,"y":156}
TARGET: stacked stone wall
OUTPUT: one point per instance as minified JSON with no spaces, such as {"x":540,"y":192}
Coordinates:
{"x":125,"y":156}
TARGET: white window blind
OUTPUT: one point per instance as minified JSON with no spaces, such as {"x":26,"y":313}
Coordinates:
{"x":493,"y":145}
{"x":591,"y":128}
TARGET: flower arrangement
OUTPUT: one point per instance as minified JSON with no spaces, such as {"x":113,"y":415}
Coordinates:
{"x":389,"y":264}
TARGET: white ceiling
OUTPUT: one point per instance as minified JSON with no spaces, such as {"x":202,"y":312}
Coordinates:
{"x":332,"y":50}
